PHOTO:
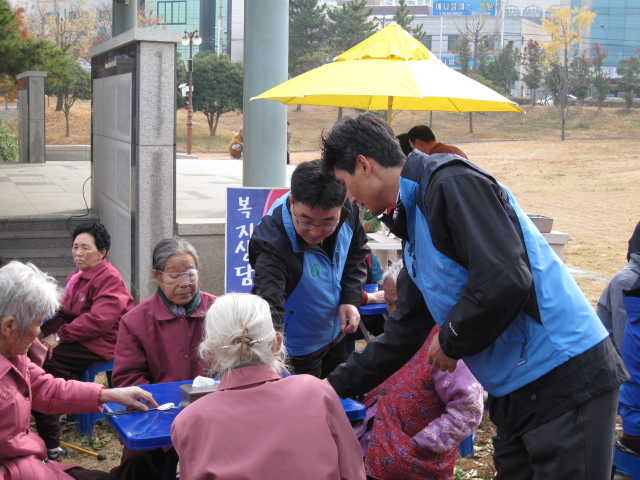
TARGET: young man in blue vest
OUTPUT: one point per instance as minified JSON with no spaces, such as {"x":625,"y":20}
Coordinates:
{"x":309,"y":255}
{"x":505,"y":303}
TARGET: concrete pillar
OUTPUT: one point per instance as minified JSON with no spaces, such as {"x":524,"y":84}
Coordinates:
{"x":133,"y":147}
{"x":124,"y":16}
{"x":266,"y":51}
{"x":31,"y":117}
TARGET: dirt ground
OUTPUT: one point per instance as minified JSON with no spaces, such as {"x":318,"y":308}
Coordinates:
{"x":589,"y":186}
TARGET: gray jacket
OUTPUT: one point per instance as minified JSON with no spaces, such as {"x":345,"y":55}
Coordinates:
{"x":610,"y":306}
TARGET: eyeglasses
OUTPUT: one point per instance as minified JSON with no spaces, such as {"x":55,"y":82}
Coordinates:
{"x":309,"y":226}
{"x":175,"y":278}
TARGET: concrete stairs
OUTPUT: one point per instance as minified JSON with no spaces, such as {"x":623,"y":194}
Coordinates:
{"x":44,"y":241}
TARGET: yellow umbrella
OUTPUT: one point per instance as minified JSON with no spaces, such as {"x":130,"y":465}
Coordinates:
{"x":390,"y":70}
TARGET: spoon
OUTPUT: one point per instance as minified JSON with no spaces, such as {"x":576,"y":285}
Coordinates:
{"x":161,"y":408}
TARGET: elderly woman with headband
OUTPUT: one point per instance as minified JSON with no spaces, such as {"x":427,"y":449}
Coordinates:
{"x":27,"y":298}
{"x":158,"y":340}
{"x":258,"y":425}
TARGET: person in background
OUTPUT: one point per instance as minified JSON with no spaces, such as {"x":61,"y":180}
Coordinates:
{"x":422,"y":138}
{"x":159,"y":338}
{"x":257,"y":425}
{"x":371,"y":223}
{"x":27,"y":298}
{"x":416,"y":418}
{"x":630,"y":390}
{"x":309,"y":255}
{"x":236,"y":145}
{"x":476,"y":266}
{"x":610,"y":307}
{"x":405,"y":144}
{"x":634,"y":242}
{"x":85,"y":329}
{"x":289,"y":134}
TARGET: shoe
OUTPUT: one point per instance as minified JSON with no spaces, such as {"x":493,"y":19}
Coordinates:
{"x":56,"y":453}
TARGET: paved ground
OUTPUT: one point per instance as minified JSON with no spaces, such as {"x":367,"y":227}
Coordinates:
{"x":61,"y":188}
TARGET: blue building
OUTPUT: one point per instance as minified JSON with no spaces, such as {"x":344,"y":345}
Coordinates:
{"x":616,"y":27}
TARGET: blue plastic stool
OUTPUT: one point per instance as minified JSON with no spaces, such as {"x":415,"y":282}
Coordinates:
{"x":627,"y":463}
{"x":465,"y":447}
{"x":86,"y":420}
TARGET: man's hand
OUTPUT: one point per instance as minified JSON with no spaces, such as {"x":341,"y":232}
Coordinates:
{"x":437,"y":359}
{"x":130,"y":397}
{"x":50,"y":342}
{"x":349,"y":318}
{"x":376,"y":297}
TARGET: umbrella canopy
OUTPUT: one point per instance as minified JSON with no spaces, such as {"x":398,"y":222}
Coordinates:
{"x":390,"y":70}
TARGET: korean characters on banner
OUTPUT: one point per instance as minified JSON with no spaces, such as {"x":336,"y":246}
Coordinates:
{"x":474,"y":7}
{"x":245,"y":209}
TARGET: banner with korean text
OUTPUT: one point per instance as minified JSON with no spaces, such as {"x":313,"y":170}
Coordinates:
{"x":473,"y":7}
{"x":245,"y":208}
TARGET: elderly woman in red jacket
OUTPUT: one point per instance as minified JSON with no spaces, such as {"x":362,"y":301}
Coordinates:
{"x":158,"y":339}
{"x":85,"y":329}
{"x":257,"y":425}
{"x":27,"y":297}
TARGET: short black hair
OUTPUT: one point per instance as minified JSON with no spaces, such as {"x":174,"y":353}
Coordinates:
{"x":405,"y":145}
{"x":365,"y":134}
{"x":314,"y":187}
{"x":421,"y":132}
{"x":99,"y":233}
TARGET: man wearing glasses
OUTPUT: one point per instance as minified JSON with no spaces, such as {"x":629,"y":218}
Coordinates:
{"x":309,"y":255}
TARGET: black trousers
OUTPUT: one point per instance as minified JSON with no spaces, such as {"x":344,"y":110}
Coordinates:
{"x":577,"y":445}
{"x":323,"y":361}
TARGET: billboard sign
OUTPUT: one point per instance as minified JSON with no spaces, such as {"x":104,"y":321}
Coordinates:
{"x":458,"y":9}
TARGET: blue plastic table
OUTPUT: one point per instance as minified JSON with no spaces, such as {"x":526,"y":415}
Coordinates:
{"x":373,"y":309}
{"x":140,"y":431}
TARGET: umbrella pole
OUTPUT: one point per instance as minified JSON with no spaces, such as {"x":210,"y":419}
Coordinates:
{"x":390,"y":109}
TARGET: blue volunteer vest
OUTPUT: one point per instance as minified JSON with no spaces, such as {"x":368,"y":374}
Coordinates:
{"x":527,"y":349}
{"x":311,"y":320}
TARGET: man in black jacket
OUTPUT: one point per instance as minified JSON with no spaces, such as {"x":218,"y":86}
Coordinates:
{"x":309,"y":256}
{"x":478,"y":267}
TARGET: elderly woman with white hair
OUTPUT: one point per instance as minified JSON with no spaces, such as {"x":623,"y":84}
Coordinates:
{"x":28,"y":297}
{"x":258,"y":425}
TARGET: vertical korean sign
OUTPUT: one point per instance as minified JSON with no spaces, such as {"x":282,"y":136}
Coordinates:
{"x":245,"y":209}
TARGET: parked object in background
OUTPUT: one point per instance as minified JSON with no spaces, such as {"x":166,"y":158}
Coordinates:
{"x":571,"y":100}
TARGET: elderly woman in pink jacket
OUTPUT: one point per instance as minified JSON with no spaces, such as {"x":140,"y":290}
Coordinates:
{"x":27,"y":297}
{"x":258,"y":425}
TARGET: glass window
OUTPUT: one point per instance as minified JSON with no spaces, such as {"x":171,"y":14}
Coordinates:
{"x":172,"y":13}
{"x":427,"y":41}
{"x":451,"y":42}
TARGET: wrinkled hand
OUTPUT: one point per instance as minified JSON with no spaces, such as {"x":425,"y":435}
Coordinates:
{"x":50,"y":342}
{"x":130,"y":397}
{"x":437,"y":359}
{"x":350,"y":312}
{"x":376,"y":297}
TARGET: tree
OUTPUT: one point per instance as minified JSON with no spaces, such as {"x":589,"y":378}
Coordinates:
{"x":403,"y":18}
{"x":20,"y":54}
{"x":101,"y":31}
{"x":481,"y":41}
{"x":629,"y":71}
{"x":565,"y":26}
{"x":462,"y":51}
{"x":533,"y":67}
{"x":217,"y":87}
{"x":600,"y":79}
{"x":503,"y":70}
{"x":582,"y":77}
{"x":349,"y":26}
{"x":307,"y":33}
{"x":77,"y":87}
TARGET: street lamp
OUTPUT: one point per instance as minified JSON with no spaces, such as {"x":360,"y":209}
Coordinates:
{"x":191,"y":39}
